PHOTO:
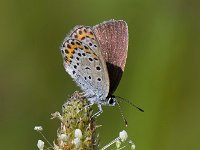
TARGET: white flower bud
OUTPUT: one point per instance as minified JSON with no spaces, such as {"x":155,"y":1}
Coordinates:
{"x":78,"y":134}
{"x":123,"y":135}
{"x":38,"y":128}
{"x":118,"y":144}
{"x":133,"y":146}
{"x":40,"y":144}
{"x":63,"y":137}
{"x":77,"y":142}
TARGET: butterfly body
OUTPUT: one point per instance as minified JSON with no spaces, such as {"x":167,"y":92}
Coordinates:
{"x":96,"y":62}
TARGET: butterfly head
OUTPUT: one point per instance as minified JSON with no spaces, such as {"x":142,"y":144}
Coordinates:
{"x":111,"y":100}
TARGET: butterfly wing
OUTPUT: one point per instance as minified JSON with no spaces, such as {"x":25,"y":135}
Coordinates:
{"x":112,"y":37}
{"x":83,"y":61}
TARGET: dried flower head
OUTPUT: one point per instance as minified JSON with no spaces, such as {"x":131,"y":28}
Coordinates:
{"x":77,"y":125}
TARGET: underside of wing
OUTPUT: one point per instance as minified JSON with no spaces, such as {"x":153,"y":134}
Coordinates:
{"x":112,"y":37}
{"x":84,"y":63}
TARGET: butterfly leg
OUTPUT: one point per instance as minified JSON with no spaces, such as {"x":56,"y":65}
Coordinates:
{"x":99,"y":112}
{"x":85,"y":107}
{"x":82,"y":94}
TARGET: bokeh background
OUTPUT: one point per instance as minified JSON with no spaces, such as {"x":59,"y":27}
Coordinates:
{"x":162,"y":73}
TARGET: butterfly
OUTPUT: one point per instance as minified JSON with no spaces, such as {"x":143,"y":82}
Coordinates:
{"x":95,"y":58}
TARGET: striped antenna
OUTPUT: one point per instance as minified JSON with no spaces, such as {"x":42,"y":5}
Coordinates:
{"x":127,"y":101}
{"x":121,"y":112}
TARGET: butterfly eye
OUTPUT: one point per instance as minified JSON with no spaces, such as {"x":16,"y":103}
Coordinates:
{"x":112,"y":101}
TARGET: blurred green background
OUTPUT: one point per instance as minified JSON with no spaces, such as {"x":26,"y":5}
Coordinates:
{"x":162,"y":73}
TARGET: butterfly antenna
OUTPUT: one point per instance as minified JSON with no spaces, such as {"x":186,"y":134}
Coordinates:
{"x":127,"y":101}
{"x":121,"y":112}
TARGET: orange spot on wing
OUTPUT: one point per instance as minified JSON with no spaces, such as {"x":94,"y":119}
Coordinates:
{"x":84,"y":35}
{"x":87,"y":51}
{"x":94,"y":56}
